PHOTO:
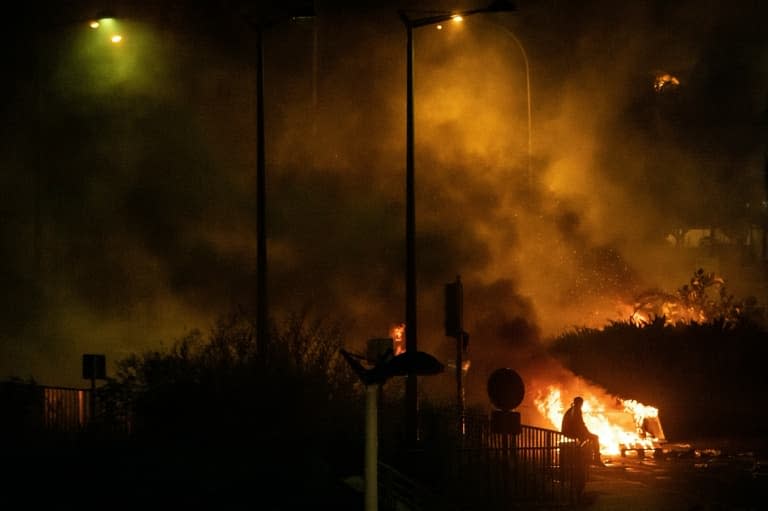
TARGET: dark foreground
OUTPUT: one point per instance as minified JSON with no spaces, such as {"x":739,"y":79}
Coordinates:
{"x":685,"y":477}
{"x":126,"y":476}
{"x":705,"y":475}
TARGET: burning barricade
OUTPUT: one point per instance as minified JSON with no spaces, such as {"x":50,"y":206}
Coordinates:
{"x":622,"y":425}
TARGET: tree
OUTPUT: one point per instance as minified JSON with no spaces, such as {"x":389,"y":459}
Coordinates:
{"x":705,"y":299}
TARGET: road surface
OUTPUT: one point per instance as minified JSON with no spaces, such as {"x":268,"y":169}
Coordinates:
{"x":680,"y":478}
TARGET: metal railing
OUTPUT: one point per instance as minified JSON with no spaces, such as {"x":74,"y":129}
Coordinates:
{"x":481,"y":469}
{"x":66,"y":410}
{"x":32,"y":409}
{"x":536,"y":465}
{"x":472,"y":469}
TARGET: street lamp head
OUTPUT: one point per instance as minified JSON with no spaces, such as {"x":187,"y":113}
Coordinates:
{"x":105,"y":15}
{"x":303,"y":12}
{"x":501,"y":6}
{"x":261,"y":20}
{"x":105,"y":20}
{"x":495,"y":6}
{"x":100,"y":18}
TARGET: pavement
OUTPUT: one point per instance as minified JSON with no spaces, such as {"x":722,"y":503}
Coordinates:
{"x":702,"y":482}
{"x":608,"y":490}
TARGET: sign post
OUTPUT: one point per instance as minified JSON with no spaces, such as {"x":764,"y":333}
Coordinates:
{"x":94,"y":368}
{"x":454,"y":327}
{"x":506,"y":391}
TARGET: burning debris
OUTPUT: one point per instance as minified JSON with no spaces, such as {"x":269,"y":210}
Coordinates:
{"x":664,"y":82}
{"x":621,"y":424}
{"x":397,"y":333}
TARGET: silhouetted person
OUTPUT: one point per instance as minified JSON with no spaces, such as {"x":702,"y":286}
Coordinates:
{"x":573,"y":427}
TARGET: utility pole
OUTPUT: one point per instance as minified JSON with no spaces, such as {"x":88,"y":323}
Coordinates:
{"x":454,"y":327}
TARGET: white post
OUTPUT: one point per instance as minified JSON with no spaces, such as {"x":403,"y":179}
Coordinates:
{"x":371,"y":448}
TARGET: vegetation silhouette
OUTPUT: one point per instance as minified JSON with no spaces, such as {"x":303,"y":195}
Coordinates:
{"x":282,"y":426}
{"x":704,"y":299}
{"x":214,"y":422}
{"x":706,"y":375}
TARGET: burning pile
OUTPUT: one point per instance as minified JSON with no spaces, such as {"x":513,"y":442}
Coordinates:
{"x":664,"y":81}
{"x":622,"y":425}
{"x":397,"y":334}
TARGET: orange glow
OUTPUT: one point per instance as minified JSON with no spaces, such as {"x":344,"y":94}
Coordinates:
{"x":673,"y":309}
{"x":620,"y":425}
{"x":457,"y":18}
{"x":665,"y":81}
{"x":82,"y":414}
{"x":397,"y":333}
{"x":638,"y":318}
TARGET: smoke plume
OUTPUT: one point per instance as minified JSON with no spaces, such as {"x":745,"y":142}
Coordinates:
{"x":130,"y":182}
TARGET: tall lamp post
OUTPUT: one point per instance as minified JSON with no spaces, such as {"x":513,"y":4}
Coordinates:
{"x":528,"y":98}
{"x":411,"y":390}
{"x":262,"y":308}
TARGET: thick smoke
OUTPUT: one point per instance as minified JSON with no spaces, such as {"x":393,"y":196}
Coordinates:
{"x":147,"y":172}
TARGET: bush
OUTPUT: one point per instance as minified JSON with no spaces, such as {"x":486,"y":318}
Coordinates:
{"x":217,"y":400}
{"x":705,"y":378}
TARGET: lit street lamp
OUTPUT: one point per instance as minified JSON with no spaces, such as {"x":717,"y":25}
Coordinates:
{"x":411,"y":396}
{"x":524,"y":54}
{"x":103,"y":21}
{"x":106,"y":21}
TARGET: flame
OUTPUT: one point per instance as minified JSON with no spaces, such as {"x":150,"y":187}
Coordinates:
{"x":639,"y":318}
{"x":397,"y":333}
{"x":620,"y":425}
{"x":665,"y":81}
{"x":652,"y":308}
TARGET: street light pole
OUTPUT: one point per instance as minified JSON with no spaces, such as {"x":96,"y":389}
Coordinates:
{"x":304,"y":12}
{"x":528,"y":98}
{"x":411,"y":345}
{"x":411,"y":385}
{"x":262,"y":330}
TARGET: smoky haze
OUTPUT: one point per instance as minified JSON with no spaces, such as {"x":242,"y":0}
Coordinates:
{"x":144,"y":160}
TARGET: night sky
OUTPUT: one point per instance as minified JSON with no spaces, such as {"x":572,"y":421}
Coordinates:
{"x":128,"y":206}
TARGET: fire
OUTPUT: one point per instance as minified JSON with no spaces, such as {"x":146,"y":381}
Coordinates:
{"x":397,"y":333}
{"x":665,"y":81}
{"x":620,"y":424}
